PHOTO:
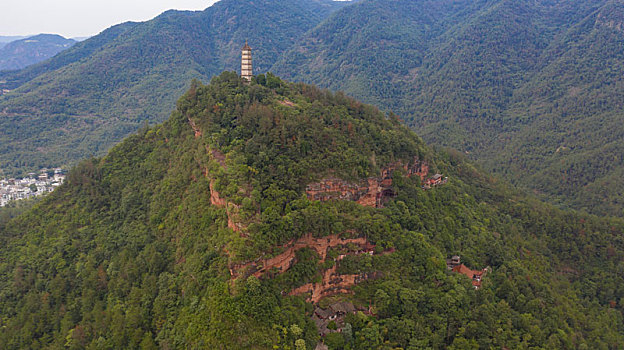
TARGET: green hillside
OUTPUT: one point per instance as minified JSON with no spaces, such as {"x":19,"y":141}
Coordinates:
{"x":84,"y":101}
{"x":530,"y":89}
{"x":148,"y":246}
{"x":13,"y":79}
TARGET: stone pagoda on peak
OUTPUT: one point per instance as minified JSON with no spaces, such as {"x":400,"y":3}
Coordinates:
{"x":246,"y":69}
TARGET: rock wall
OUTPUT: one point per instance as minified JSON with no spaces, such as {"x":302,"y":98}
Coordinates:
{"x":230,"y":208}
{"x":332,"y":284}
{"x":286,"y":259}
{"x":215,"y":197}
{"x":371,"y":192}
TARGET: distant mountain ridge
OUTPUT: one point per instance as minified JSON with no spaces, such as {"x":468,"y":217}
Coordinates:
{"x":25,"y":52}
{"x":81,"y":50}
{"x":7,"y":39}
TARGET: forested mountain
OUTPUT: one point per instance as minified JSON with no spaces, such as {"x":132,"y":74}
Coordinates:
{"x":167,"y":241}
{"x":88,"y":98}
{"x":531,"y":89}
{"x":25,"y":52}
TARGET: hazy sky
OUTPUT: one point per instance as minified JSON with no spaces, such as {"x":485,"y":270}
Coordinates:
{"x":76,"y":18}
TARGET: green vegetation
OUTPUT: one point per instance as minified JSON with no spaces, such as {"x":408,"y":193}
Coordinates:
{"x":79,"y":51}
{"x":85,"y":100}
{"x":14,"y":209}
{"x":130,"y":253}
{"x":532,"y":90}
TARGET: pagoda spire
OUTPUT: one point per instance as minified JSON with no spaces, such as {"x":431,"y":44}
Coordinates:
{"x":246,"y":67}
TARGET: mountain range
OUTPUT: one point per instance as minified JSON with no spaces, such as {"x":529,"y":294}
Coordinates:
{"x":89,"y":97}
{"x":531,"y":90}
{"x":276,"y":215}
{"x":21,"y":53}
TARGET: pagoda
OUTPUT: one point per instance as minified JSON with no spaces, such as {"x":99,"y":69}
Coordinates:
{"x":246,"y":70}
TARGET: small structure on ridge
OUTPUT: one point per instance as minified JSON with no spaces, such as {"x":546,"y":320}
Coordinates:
{"x":454,"y":264}
{"x":435,"y":180}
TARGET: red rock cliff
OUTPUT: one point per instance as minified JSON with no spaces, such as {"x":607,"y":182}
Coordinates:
{"x":370,"y":192}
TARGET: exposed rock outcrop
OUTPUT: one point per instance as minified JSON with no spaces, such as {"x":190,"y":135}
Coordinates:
{"x":368,"y":192}
{"x":285,"y":260}
{"x":215,"y":197}
{"x":371,"y":192}
{"x":195,"y":128}
{"x":230,"y":208}
{"x":332,"y":283}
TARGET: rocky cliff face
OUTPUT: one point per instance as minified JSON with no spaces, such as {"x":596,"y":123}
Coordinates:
{"x":284,"y":261}
{"x":371,"y":192}
{"x":332,"y":282}
{"x":215,"y":197}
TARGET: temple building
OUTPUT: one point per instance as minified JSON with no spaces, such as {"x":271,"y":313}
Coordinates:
{"x":454,"y":264}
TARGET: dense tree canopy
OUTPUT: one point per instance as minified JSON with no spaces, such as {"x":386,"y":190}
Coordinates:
{"x":531,"y":89}
{"x":130,"y":252}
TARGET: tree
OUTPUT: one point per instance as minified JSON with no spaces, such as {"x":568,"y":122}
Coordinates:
{"x":347,"y":332}
{"x":369,"y":337}
{"x":334,"y":341}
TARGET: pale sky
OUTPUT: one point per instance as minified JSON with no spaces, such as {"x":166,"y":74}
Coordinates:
{"x":78,"y":18}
